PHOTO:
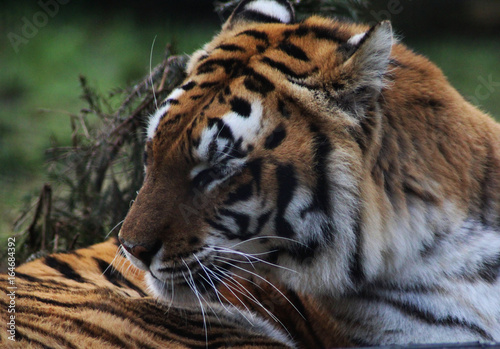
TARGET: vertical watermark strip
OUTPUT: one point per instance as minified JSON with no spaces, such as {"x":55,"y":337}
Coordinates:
{"x":11,"y":288}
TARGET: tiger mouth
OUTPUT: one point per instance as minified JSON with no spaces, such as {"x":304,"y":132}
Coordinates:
{"x":196,"y":271}
{"x":200,"y":278}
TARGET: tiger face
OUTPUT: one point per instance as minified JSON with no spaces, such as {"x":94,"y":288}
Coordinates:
{"x":253,"y":165}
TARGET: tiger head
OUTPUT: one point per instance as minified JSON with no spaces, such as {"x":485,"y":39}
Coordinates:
{"x":254,"y":165}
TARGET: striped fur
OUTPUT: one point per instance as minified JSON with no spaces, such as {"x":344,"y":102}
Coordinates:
{"x":84,"y":300}
{"x":326,"y":156}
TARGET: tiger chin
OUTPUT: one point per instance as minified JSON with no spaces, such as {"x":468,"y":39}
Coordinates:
{"x":328,"y":157}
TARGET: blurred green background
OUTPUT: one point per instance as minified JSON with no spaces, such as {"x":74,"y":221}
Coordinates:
{"x":45,"y":45}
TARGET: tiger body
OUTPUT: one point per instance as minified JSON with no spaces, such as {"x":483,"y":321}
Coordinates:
{"x":94,"y":298}
{"x":328,"y":157}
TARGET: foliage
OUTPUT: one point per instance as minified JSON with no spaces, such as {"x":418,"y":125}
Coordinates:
{"x":97,"y":177}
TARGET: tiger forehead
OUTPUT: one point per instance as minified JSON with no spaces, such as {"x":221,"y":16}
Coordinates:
{"x":241,"y":45}
{"x":250,"y":52}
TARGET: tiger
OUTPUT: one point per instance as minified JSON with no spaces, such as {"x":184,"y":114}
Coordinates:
{"x":95,"y":298}
{"x":326,"y":156}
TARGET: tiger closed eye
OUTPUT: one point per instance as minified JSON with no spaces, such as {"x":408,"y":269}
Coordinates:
{"x":205,"y":177}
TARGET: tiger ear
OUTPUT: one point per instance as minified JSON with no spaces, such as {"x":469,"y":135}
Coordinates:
{"x":368,"y":58}
{"x":262,"y":11}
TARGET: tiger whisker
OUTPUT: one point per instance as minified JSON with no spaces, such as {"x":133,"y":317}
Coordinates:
{"x":217,"y":293}
{"x":210,"y":281}
{"x":250,"y":296}
{"x":150,"y":72}
{"x":197,"y":294}
{"x":268,"y":237}
{"x":226,"y":250}
{"x":216,"y":248}
{"x":230,"y":290}
{"x":116,"y":226}
{"x":117,"y":254}
{"x":268,"y":282}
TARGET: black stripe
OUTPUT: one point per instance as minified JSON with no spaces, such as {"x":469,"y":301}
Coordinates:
{"x":356,"y":273}
{"x":175,"y":119}
{"x":195,"y":97}
{"x":302,"y":253}
{"x":20,"y":336}
{"x":80,"y":326}
{"x":283,"y":109}
{"x":72,"y":305}
{"x":235,"y":150}
{"x":221,"y":99}
{"x":490,"y":270}
{"x":188,"y":86}
{"x":287,"y":182}
{"x":300,"y":32}
{"x":206,"y":106}
{"x":242,"y":193}
{"x":357,"y":133}
{"x":224,"y":130}
{"x":115,"y":277}
{"x":228,"y":64}
{"x":347,"y":49}
{"x":304,"y":312}
{"x":64,"y":268}
{"x":228,"y":233}
{"x":428,"y":317}
{"x":242,"y":221}
{"x":241,"y":107}
{"x":330,"y":34}
{"x":256,"y":34}
{"x":27,"y":277}
{"x":255,"y":167}
{"x":294,"y":51}
{"x":256,"y":82}
{"x":283,"y":68}
{"x":152,"y":319}
{"x":41,"y":332}
{"x":321,"y":151}
{"x":172,"y":101}
{"x":209,"y":84}
{"x":276,"y":137}
{"x":230,"y":48}
{"x":261,"y":222}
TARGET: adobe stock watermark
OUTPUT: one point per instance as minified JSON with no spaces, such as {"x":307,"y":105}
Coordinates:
{"x":484,"y":90}
{"x":11,"y":289}
{"x":31,"y":26}
{"x":394,"y":7}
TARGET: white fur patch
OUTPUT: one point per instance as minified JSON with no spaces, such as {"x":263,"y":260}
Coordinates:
{"x":270,"y":8}
{"x":154,"y":120}
{"x":207,"y":136}
{"x":356,"y":39}
{"x":245,"y":128}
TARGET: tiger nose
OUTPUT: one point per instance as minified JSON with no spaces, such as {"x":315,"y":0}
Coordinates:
{"x":144,"y":253}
